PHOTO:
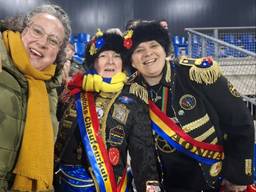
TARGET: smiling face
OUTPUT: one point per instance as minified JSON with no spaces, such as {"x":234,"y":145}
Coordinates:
{"x":149,"y":59}
{"x":108,"y":63}
{"x":42,"y":39}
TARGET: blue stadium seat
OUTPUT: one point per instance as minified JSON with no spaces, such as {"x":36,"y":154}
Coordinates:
{"x":196,"y":46}
{"x":229,"y":38}
{"x":83,"y":37}
{"x":210,"y":48}
{"x":79,"y":48}
{"x":80,"y":41}
{"x":180,"y":45}
{"x":248,"y":41}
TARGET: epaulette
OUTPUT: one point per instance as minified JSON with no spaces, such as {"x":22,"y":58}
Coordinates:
{"x":139,"y":91}
{"x":202,"y":70}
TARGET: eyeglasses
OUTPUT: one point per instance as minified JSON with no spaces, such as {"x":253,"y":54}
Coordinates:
{"x":38,"y":32}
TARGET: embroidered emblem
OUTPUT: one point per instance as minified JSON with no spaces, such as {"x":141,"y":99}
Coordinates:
{"x":125,"y":99}
{"x":163,"y":145}
{"x":114,"y":155}
{"x":233,"y":90}
{"x":120,"y":113}
{"x":116,"y":135}
{"x":215,"y":169}
{"x":248,"y":167}
{"x":187,"y":102}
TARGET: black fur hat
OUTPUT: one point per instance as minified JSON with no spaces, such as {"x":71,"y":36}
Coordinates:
{"x":103,"y":42}
{"x":146,"y":31}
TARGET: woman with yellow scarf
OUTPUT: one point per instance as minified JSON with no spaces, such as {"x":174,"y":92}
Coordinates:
{"x":101,"y":123}
{"x":31,"y":55}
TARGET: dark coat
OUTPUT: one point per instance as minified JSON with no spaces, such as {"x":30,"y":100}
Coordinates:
{"x":135,"y":135}
{"x":216,"y":114}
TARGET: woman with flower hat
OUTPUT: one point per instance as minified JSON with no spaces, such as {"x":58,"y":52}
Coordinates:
{"x":101,"y":123}
{"x":203,"y":130}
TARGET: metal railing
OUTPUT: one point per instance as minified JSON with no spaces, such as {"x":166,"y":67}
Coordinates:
{"x":222,"y":42}
{"x":235,"y":50}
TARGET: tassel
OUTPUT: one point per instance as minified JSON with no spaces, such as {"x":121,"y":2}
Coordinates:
{"x":168,"y":71}
{"x":139,"y":91}
{"x":205,"y":75}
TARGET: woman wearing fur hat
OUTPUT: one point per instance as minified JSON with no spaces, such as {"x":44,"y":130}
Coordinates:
{"x":101,"y":123}
{"x":31,"y":54}
{"x":204,"y":132}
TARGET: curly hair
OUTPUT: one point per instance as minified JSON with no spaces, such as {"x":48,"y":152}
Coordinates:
{"x":19,"y":22}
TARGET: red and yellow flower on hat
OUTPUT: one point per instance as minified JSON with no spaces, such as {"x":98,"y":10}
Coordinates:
{"x":128,"y":39}
{"x":97,"y":42}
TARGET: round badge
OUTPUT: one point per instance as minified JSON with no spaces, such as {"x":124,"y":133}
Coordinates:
{"x":100,"y":112}
{"x":187,"y":102}
{"x":114,"y":155}
{"x":215,"y":169}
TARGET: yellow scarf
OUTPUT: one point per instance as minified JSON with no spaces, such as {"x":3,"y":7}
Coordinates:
{"x":94,"y":82}
{"x":34,"y":167}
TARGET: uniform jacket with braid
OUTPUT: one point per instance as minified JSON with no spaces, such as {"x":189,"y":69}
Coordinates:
{"x":208,"y":112}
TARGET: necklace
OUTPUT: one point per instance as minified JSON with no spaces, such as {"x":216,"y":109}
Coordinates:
{"x":154,"y":94}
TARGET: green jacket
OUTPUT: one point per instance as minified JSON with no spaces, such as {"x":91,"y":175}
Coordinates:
{"x":13,"y":107}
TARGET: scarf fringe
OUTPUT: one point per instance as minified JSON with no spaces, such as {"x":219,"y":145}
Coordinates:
{"x":168,"y":71}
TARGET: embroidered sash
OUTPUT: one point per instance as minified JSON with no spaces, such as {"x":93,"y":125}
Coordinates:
{"x":94,"y":146}
{"x":166,"y":128}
